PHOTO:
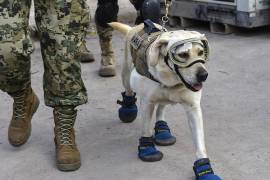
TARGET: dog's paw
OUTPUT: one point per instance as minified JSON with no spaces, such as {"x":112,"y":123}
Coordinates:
{"x":128,"y":112}
{"x":147,"y":151}
{"x":203,"y":170}
{"x":163,"y":136}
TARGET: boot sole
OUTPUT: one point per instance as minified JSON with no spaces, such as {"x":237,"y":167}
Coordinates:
{"x":107,"y":75}
{"x":68,"y":167}
{"x":87,"y":60}
{"x":169,"y":142}
{"x":109,"y":72}
{"x":28,"y":134}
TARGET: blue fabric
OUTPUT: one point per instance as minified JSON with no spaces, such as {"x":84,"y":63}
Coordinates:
{"x":128,"y":114}
{"x":162,"y":131}
{"x":202,"y":168}
{"x":147,"y":151}
{"x":161,"y":123}
{"x":209,"y":177}
{"x":163,"y":135}
{"x":130,"y":109}
{"x":201,"y":161}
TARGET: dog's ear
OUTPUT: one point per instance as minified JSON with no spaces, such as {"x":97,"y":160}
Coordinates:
{"x":158,"y":48}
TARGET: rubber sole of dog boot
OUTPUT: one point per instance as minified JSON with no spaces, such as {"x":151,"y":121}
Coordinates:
{"x":209,"y":177}
{"x":28,"y":133}
{"x":165,"y":142}
{"x":163,"y":136}
{"x":69,"y":167}
{"x":152,"y":158}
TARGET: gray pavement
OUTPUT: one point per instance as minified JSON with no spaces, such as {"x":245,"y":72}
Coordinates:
{"x":236,"y":108}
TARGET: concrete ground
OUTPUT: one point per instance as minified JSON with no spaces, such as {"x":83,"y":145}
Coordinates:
{"x":236,"y":108}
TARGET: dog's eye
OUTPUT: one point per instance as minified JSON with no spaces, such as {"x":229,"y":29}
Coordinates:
{"x":200,"y":53}
{"x":183,"y":55}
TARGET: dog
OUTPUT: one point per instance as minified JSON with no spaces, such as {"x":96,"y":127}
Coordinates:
{"x":164,"y":67}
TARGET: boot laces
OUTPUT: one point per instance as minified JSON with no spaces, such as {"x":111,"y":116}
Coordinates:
{"x":19,"y":106}
{"x":64,"y":128}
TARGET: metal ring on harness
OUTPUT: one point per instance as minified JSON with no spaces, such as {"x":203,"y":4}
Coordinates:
{"x":165,"y":19}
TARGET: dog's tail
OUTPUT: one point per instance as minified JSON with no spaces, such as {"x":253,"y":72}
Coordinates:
{"x":123,"y":28}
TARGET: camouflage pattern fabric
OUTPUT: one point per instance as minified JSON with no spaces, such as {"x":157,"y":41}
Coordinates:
{"x":15,"y":46}
{"x":62,"y":26}
{"x":105,"y":41}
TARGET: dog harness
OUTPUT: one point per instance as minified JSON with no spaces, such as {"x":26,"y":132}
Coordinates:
{"x":140,"y":43}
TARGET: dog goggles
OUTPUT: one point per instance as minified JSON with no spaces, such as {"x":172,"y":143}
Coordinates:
{"x":182,"y":62}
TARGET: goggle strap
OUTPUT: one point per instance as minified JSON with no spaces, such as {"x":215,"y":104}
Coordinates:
{"x":194,"y":62}
{"x":167,"y":61}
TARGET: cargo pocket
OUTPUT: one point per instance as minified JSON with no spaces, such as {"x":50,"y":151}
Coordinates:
{"x":22,"y":50}
{"x":15,"y":54}
{"x":15,"y":63}
{"x":23,"y":47}
{"x":80,"y":14}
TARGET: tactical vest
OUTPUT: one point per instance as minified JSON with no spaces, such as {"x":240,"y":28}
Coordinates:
{"x":140,"y":43}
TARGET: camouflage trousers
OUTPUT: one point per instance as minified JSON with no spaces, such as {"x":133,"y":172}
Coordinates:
{"x":62,"y":26}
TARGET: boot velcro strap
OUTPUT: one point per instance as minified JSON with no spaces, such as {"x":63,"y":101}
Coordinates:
{"x":161,"y":126}
{"x":202,"y":167}
{"x":146,"y":147}
{"x":146,"y":142}
{"x":128,"y":101}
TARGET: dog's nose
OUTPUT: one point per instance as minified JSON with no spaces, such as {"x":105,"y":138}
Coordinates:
{"x":202,"y":75}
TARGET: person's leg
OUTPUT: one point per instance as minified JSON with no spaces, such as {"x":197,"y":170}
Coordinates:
{"x":62,"y":24}
{"x":107,"y":11}
{"x":86,"y":55}
{"x":147,"y":9}
{"x":15,"y":69}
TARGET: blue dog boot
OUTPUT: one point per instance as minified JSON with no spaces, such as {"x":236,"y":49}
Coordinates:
{"x":203,"y":171}
{"x":163,"y":136}
{"x":128,"y":112}
{"x":147,"y":151}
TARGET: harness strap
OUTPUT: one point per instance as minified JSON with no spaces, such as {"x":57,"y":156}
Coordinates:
{"x":140,"y":44}
{"x":181,"y":77}
{"x":166,"y":58}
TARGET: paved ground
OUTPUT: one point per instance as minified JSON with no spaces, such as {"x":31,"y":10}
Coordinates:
{"x":236,"y":108}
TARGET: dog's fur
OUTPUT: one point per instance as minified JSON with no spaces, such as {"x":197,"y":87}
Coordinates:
{"x":171,"y":89}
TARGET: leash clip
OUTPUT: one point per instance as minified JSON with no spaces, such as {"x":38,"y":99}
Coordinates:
{"x":165,"y":18}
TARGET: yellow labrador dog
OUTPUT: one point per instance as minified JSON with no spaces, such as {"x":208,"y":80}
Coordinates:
{"x":164,"y":67}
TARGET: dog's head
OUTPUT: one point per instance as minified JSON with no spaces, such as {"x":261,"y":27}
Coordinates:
{"x":180,"y":56}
